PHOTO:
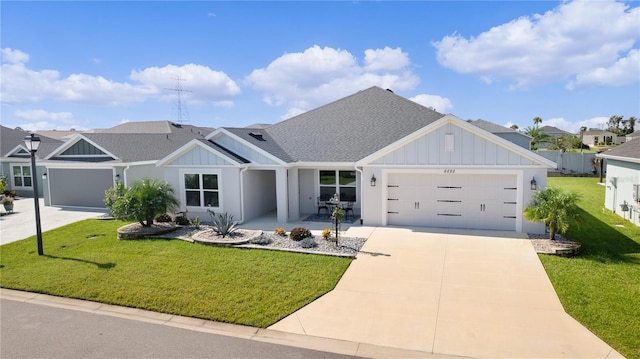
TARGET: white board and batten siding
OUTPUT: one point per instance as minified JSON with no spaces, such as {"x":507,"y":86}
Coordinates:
{"x":199,"y":156}
{"x":468,"y":149}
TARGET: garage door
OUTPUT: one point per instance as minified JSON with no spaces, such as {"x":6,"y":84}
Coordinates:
{"x":79,"y":188}
{"x":452,"y":201}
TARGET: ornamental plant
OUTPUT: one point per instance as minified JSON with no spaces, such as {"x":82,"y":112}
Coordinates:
{"x":143,"y":201}
{"x":554,"y":207}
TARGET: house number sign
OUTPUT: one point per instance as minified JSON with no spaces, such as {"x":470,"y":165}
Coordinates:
{"x":450,"y":171}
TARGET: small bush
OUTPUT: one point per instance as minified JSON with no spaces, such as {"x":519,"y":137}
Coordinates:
{"x":280,"y":231}
{"x":261,"y":240}
{"x":299,"y":233}
{"x":326,"y":234}
{"x":223,"y":224}
{"x":308,"y":242}
{"x":163,"y":218}
{"x":196,"y":222}
{"x":183,"y":220}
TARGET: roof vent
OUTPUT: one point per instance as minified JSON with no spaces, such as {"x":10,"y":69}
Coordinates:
{"x":176,"y":125}
{"x":390,"y":90}
{"x":257,"y":136}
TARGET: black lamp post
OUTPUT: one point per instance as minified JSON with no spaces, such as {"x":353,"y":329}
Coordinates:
{"x":33,"y":143}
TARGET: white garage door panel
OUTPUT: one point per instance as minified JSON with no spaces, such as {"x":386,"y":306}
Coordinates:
{"x":453,"y":201}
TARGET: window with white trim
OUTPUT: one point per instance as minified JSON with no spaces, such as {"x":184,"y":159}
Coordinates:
{"x":201,"y":190}
{"x":341,"y":182}
{"x":21,"y":176}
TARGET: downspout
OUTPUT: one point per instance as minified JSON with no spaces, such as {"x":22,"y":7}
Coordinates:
{"x":242,"y":194}
{"x":360,"y":194}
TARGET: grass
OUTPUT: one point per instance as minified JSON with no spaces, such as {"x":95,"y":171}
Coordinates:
{"x":85,"y":260}
{"x":601,"y":287}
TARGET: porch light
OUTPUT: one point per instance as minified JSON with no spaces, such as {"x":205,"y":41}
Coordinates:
{"x":117,"y":177}
{"x":373,"y":181}
{"x":534,"y":184}
{"x":44,"y":176}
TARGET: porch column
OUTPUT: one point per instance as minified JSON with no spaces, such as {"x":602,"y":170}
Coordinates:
{"x":294,"y":194}
{"x":282,"y":200}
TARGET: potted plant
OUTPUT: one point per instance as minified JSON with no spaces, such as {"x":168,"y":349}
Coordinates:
{"x":7,"y":202}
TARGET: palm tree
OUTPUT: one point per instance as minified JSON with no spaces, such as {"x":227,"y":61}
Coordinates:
{"x":554,"y":207}
{"x":583,"y":129}
{"x":536,"y":121}
{"x":514,"y":127}
{"x":537,"y":136}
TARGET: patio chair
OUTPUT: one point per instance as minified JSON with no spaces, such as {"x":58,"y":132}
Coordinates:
{"x":348,"y":208}
{"x":321,"y":205}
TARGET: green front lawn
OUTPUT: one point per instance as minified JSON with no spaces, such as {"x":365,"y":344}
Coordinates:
{"x":601,"y":287}
{"x":85,"y":260}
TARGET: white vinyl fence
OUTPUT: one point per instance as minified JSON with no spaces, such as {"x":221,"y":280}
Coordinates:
{"x":572,"y":162}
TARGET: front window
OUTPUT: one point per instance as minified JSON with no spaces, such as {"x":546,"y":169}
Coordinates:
{"x":341,"y":182}
{"x":201,"y":190}
{"x":22,"y":176}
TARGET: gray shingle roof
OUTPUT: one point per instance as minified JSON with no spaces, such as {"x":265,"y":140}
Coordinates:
{"x":225,"y":151}
{"x":267,"y":143}
{"x":492,"y":127}
{"x":553,"y":130}
{"x":629,"y":149}
{"x":10,"y":138}
{"x":351,"y":128}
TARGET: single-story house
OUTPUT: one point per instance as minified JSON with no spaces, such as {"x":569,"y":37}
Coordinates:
{"x":15,"y":160}
{"x":554,"y":132}
{"x":632,"y":136}
{"x":507,"y":133}
{"x":81,"y":169}
{"x":397,"y":162}
{"x":623,"y":180}
{"x":393,"y":161}
{"x":597,"y":137}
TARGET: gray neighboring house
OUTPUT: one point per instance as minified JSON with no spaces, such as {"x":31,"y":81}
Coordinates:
{"x":394,"y":161}
{"x":15,"y":160}
{"x":553,"y":132}
{"x":507,"y":133}
{"x":622,"y":195}
{"x":81,"y":169}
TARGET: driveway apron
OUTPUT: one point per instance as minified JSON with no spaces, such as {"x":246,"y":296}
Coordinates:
{"x":473,"y":294}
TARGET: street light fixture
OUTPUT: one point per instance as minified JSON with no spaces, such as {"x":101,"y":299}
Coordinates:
{"x":33,"y":143}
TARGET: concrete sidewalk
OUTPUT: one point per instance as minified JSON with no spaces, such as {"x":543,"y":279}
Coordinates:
{"x":479,"y":296}
{"x":22,"y":223}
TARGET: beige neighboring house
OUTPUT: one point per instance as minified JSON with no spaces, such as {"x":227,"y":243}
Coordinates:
{"x":595,"y":137}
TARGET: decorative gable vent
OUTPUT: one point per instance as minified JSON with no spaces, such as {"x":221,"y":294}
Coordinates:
{"x":448,"y":142}
{"x":257,"y":136}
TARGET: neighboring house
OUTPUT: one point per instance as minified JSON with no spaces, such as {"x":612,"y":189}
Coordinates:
{"x":599,"y":137}
{"x":507,"y":133}
{"x":553,"y":132}
{"x":633,"y":136}
{"x":15,"y":160}
{"x":80,"y":170}
{"x":623,"y":180}
{"x":398,"y":162}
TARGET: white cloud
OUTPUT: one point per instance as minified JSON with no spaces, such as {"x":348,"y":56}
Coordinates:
{"x":573,"y":40}
{"x":13,"y":56}
{"x":574,"y":127}
{"x":625,"y":71}
{"x":386,"y":59}
{"x":21,"y":84}
{"x":440,"y":104}
{"x":44,"y":120}
{"x":318,"y":75}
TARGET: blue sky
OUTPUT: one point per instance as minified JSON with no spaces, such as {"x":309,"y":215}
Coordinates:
{"x":88,"y":65}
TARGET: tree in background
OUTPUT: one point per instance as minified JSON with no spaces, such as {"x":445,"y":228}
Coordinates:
{"x":620,"y":126}
{"x":537,"y":121}
{"x":143,"y":201}
{"x":537,"y":136}
{"x":555,"y":208}
{"x":514,"y":127}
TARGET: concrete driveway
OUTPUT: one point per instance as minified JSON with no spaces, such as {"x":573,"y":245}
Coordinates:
{"x":22,"y":223}
{"x":459,"y":293}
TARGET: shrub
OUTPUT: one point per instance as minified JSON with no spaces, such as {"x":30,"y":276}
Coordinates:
{"x":299,"y":233}
{"x":142,"y":201}
{"x":308,"y":242}
{"x":554,"y":207}
{"x":326,"y":234}
{"x":223,"y":223}
{"x":196,"y":222}
{"x":182,"y":219}
{"x":280,"y":231}
{"x":163,"y":218}
{"x":261,"y":240}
